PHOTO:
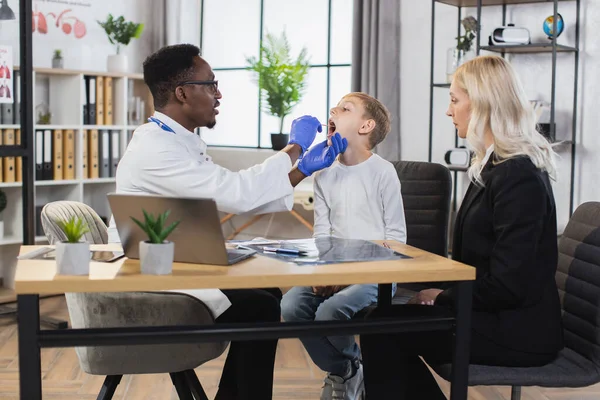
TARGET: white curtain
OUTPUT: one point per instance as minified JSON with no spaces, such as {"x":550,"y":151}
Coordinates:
{"x":182,"y":22}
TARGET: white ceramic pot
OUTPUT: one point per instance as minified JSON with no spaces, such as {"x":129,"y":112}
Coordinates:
{"x":156,"y":259}
{"x":116,"y":63}
{"x":73,"y":258}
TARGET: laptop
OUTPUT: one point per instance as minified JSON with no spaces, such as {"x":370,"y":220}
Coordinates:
{"x":198,"y":238}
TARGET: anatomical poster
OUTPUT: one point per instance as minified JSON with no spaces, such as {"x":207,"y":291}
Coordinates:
{"x":6,"y":74}
{"x":62,"y":19}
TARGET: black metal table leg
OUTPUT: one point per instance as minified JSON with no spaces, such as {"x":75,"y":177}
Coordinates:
{"x":30,"y":368}
{"x":462,"y":338}
{"x":384,"y":296}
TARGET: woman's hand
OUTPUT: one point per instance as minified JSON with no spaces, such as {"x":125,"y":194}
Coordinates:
{"x":426,"y":297}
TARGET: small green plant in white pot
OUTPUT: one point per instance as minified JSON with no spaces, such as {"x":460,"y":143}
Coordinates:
{"x":73,"y":255}
{"x":156,"y":253}
{"x":119,"y":33}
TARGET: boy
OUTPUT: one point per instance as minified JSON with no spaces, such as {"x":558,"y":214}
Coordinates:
{"x":358,"y":197}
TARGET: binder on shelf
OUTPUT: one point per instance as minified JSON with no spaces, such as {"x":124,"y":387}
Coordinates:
{"x":6,"y":113}
{"x":89,"y":113}
{"x":39,"y":155}
{"x":104,"y":153}
{"x":108,"y":100}
{"x":84,"y":96}
{"x":18,"y":160}
{"x":93,"y":156}
{"x":47,"y":160}
{"x":17,"y":98}
{"x":100,"y":100}
{"x":84,"y":158}
{"x":115,"y":138}
{"x":1,"y":160}
{"x":57,"y":154}
{"x":8,"y":163}
{"x":68,"y":154}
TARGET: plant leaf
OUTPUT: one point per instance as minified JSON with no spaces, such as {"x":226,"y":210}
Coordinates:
{"x":168,"y":230}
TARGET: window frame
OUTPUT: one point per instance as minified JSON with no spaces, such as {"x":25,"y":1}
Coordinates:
{"x":328,"y":65}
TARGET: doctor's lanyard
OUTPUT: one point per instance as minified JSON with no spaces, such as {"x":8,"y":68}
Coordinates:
{"x":161,"y":124}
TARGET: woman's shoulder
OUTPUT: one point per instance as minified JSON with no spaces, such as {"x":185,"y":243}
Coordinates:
{"x":514,"y":170}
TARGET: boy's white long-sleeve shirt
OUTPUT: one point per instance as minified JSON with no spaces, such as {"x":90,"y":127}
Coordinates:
{"x":362,"y":201}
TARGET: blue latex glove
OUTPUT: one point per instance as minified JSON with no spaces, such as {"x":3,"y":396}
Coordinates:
{"x":304,"y":130}
{"x":322,"y":156}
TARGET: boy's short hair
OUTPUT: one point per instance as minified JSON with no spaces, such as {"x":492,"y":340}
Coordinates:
{"x":375,"y":110}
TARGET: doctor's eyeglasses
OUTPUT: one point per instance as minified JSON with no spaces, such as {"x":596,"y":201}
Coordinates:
{"x":215,"y":84}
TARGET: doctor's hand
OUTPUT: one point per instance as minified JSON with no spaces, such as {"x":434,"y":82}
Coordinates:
{"x":322,"y":156}
{"x":304,"y":130}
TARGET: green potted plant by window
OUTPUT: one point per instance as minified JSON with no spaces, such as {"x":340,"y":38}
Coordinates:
{"x":281,"y":80}
{"x":120,"y":32}
{"x":73,"y":255}
{"x":3,"y":203}
{"x":57,"y":60}
{"x":156,"y":253}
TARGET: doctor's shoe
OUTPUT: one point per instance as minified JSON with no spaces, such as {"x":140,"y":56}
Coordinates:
{"x":336,"y":388}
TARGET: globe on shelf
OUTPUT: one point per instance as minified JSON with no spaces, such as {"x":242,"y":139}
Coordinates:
{"x":549,"y":25}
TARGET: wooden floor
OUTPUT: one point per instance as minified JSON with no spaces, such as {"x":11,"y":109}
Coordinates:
{"x":296,"y":377}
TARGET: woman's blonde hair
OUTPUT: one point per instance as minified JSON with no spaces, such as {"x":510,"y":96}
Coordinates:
{"x":499,"y":104}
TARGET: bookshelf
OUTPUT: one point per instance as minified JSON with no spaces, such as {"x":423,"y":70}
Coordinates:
{"x":63,"y":93}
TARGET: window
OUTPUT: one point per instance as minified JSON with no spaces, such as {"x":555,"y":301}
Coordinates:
{"x":231,"y":30}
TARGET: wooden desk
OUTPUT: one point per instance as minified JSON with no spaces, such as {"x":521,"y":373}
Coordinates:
{"x":35,"y":277}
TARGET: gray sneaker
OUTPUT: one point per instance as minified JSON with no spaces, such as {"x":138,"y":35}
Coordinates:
{"x":335,"y":388}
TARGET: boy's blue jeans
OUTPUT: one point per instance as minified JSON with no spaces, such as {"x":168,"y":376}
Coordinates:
{"x":332,"y":354}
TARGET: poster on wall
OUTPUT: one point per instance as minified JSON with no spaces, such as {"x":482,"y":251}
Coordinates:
{"x":62,"y":19}
{"x":6,"y":74}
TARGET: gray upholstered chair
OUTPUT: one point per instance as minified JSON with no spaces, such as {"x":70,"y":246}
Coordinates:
{"x":130,"y":309}
{"x":578,"y":281}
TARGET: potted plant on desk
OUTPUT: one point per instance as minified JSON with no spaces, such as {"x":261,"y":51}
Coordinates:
{"x":119,"y":32}
{"x":156,"y":254}
{"x":73,"y":255}
{"x":281,"y":81}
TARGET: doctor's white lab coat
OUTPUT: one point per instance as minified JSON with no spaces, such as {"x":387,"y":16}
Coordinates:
{"x":159,"y":162}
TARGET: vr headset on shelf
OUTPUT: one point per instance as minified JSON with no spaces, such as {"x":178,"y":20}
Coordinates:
{"x":509,"y":35}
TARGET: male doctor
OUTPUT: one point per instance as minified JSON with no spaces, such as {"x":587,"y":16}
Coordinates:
{"x":165,"y":157}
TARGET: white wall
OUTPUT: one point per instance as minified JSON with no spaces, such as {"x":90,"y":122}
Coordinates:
{"x":534,"y":70}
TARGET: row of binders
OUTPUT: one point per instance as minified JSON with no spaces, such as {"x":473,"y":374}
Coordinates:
{"x":98,"y":104}
{"x":55,"y":154}
{"x":54,"y":150}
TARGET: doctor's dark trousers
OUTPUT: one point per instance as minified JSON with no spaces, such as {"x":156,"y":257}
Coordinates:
{"x":248,"y":371}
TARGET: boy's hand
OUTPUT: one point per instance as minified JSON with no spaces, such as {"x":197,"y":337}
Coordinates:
{"x":327,"y":291}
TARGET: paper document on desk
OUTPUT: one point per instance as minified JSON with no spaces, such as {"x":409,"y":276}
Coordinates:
{"x":255,"y":241}
{"x":328,"y":250}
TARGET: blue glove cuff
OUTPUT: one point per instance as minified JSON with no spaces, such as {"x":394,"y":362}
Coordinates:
{"x":302,"y":169}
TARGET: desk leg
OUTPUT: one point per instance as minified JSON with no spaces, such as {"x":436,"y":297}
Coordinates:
{"x":30,"y":368}
{"x":384,"y":295}
{"x":462,"y":338}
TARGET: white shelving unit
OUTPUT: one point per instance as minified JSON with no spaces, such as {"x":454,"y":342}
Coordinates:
{"x":63,"y":91}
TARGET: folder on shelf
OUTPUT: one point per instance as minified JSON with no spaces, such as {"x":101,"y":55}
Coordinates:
{"x":1,"y":160}
{"x":6,"y":113}
{"x":8,"y":163}
{"x":57,"y":155}
{"x":108,"y":100}
{"x":18,"y":160}
{"x":84,"y":155}
{"x":104,"y":153}
{"x":115,"y":154}
{"x":93,"y":157}
{"x":68,"y":154}
{"x":47,"y":160}
{"x":89,"y":107}
{"x":17,"y":97}
{"x":100,"y":100}
{"x":39,"y":155}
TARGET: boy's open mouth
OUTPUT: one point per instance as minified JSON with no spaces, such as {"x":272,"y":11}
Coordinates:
{"x":331,"y":128}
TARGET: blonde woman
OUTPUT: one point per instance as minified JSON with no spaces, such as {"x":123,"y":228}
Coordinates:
{"x":505,"y":228}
